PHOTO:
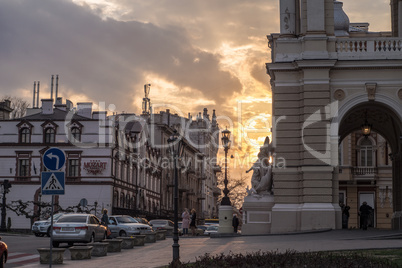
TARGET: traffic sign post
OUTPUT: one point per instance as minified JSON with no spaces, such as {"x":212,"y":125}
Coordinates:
{"x":54,"y":159}
{"x":53,"y":182}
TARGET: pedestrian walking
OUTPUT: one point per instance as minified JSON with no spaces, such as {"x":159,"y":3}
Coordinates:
{"x":193,"y":225}
{"x":185,"y":221}
{"x":105,"y":221}
{"x":235,"y":223}
{"x":364,"y":213}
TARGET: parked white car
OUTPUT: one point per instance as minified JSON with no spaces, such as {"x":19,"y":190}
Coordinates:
{"x":41,"y":228}
{"x":123,"y":225}
{"x":78,"y":228}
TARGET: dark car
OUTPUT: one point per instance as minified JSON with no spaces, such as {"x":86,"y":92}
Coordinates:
{"x":3,"y":252}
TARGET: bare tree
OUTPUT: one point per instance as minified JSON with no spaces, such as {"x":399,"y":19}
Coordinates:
{"x":34,"y":210}
{"x":18,"y":105}
{"x":236,"y":186}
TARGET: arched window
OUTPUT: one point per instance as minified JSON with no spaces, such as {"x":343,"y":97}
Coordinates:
{"x":75,"y":134}
{"x":25,"y":135}
{"x":366,"y":158}
{"x":49,"y":135}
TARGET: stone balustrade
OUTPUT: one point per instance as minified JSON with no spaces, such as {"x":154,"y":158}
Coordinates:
{"x":57,"y":255}
{"x":369,"y":47}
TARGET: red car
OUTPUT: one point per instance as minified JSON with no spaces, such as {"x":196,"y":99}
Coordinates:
{"x":3,"y":252}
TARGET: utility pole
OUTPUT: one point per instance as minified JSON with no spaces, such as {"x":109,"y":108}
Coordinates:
{"x":6,"y":189}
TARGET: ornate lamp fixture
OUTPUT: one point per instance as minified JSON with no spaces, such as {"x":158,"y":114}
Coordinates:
{"x":366,"y":127}
{"x":226,"y":145}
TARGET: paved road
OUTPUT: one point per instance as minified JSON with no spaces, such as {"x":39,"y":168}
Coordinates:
{"x":160,"y":253}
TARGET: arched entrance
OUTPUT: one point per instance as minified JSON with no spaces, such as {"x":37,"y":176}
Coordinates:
{"x":371,"y":170}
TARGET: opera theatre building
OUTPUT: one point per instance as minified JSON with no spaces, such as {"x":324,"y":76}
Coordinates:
{"x":337,"y":102}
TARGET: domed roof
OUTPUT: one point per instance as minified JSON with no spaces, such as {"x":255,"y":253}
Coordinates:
{"x":341,"y":20}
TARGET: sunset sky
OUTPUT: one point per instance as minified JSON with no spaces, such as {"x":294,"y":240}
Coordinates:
{"x":195,"y":53}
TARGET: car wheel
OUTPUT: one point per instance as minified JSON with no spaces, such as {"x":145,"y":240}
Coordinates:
{"x":55,"y":244}
{"x":123,"y":234}
{"x":92,"y":239}
{"x":37,"y":234}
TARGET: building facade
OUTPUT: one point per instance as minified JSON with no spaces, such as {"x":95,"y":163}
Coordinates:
{"x":117,"y":162}
{"x":328,"y":76}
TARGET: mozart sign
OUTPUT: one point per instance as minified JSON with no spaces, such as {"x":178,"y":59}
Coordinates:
{"x":95,"y":167}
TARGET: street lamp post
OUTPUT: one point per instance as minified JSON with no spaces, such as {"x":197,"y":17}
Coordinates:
{"x":226,"y":145}
{"x":176,"y":147}
{"x":225,"y":209}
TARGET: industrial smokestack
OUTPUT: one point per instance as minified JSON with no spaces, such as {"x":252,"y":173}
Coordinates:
{"x":51,"y":88}
{"x":37,"y":96}
{"x":33,"y":102}
{"x":57,"y":85}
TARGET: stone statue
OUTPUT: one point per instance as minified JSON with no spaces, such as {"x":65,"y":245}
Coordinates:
{"x":261,"y":181}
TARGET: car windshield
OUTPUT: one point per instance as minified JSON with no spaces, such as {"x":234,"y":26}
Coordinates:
{"x":126,"y":220}
{"x":76,"y":218}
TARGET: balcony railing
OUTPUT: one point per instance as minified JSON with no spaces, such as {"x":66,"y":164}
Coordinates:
{"x":361,"y":171}
{"x":369,"y":48}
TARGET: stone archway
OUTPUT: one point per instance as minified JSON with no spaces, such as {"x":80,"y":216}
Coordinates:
{"x":387,"y":122}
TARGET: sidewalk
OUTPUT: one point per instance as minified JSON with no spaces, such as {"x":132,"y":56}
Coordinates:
{"x":160,"y":253}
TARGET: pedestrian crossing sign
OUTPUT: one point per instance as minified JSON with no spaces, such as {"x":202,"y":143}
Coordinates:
{"x":53,"y":183}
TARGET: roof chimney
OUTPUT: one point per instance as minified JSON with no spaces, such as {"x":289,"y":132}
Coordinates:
{"x":51,"y":89}
{"x":57,"y":86}
{"x":47,"y":106}
{"x":84,"y":109}
{"x":34,"y":91}
{"x":37,"y":96}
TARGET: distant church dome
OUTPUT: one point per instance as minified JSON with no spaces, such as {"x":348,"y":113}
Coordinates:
{"x":341,"y":20}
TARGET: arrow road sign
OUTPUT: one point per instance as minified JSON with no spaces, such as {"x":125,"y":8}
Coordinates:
{"x":53,"y":183}
{"x":54,"y":159}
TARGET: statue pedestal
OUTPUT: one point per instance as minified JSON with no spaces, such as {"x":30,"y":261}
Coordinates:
{"x":225,"y":220}
{"x":257,"y":212}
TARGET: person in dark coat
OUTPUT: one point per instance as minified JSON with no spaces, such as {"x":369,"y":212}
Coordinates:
{"x":364,"y":212}
{"x":345,"y":215}
{"x":235,"y":223}
{"x":193,"y":225}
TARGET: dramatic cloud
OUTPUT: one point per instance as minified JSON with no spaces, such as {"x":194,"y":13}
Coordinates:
{"x":196,"y":54}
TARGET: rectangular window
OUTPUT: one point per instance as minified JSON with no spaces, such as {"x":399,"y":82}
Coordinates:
{"x":73,"y":167}
{"x":23,"y":167}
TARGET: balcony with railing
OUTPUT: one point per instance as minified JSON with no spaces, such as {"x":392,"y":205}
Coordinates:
{"x":368,"y":48}
{"x":364,"y":171}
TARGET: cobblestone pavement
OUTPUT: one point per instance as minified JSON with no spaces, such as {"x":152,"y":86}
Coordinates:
{"x":160,"y":253}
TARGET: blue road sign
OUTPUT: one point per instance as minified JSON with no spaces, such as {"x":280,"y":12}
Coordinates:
{"x":53,"y":183}
{"x":54,"y":159}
